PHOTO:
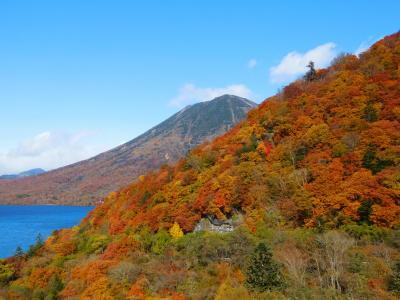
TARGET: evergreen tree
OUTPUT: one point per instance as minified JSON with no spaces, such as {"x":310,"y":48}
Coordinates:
{"x":311,"y":74}
{"x":364,"y":210}
{"x":39,"y":240}
{"x":19,"y":252}
{"x":54,"y":287}
{"x":263,"y":272}
{"x":394,"y":283}
{"x":370,"y":114}
{"x":38,"y":244}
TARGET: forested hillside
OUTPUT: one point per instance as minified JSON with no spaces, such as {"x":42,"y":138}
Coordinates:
{"x":88,"y":182}
{"x":299,"y":201}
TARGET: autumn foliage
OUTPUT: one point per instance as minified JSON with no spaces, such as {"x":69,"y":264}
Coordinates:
{"x":322,"y":154}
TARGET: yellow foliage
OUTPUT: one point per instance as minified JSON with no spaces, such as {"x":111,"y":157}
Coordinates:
{"x":176,"y":231}
{"x":232,"y":290}
{"x":99,"y":289}
{"x":141,"y":178}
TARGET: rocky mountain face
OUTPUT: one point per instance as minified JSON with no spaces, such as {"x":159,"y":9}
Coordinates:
{"x":87,"y":182}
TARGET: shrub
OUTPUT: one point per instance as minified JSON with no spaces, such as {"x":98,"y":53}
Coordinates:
{"x":355,"y":262}
{"x":160,"y":241}
{"x":394,"y":282}
{"x":96,"y":243}
{"x":371,"y":233}
{"x":393,"y":238}
{"x":125,"y":272}
{"x":7,"y":272}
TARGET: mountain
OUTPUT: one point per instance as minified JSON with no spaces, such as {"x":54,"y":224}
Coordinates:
{"x":299,"y":201}
{"x":32,"y":172}
{"x":87,"y":182}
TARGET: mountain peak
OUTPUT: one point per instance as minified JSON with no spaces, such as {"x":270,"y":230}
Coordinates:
{"x":165,"y":143}
{"x":230,"y":97}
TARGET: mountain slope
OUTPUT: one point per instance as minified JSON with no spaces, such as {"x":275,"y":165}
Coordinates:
{"x":32,"y":172}
{"x":87,"y":182}
{"x":313,"y":172}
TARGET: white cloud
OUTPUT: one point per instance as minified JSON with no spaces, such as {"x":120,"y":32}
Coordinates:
{"x":361,"y":48}
{"x":189,"y":93}
{"x":365,"y":45}
{"x":252,"y":63}
{"x":47,"y":150}
{"x":294,"y":63}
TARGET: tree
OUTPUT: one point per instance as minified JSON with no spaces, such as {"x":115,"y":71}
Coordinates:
{"x":370,"y":114}
{"x":38,"y":244}
{"x":176,"y":231}
{"x":394,"y":282}
{"x":19,"y":252}
{"x":263,"y":272}
{"x":7,"y":272}
{"x":329,"y":258}
{"x":364,"y":211}
{"x":159,"y":241}
{"x":39,"y":240}
{"x":295,"y":261}
{"x":54,"y":287}
{"x":311,"y":74}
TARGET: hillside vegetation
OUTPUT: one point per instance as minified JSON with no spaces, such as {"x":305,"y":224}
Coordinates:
{"x":307,"y":188}
{"x":88,"y":182}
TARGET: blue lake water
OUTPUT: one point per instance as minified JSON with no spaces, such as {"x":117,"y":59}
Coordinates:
{"x":19,"y":225}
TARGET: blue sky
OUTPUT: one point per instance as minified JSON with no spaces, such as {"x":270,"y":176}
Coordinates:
{"x":80,"y":77}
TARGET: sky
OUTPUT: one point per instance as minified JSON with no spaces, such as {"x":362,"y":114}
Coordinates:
{"x":81,"y":77}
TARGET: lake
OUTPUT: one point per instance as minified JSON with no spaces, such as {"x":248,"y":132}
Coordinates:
{"x":19,"y":225}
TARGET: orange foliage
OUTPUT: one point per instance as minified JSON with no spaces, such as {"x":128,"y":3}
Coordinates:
{"x":119,"y":248}
{"x":324,"y":143}
{"x":321,"y":153}
{"x":39,"y":278}
{"x":91,"y":271}
{"x":136,"y":291}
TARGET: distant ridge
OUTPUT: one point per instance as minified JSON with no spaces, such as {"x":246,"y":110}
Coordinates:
{"x":88,"y":181}
{"x":31,"y":172}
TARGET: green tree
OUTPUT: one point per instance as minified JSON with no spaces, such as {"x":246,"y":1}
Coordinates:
{"x":160,"y":241}
{"x":370,"y":113}
{"x":54,"y":287}
{"x":394,"y":282}
{"x":364,"y":211}
{"x":263,"y":272}
{"x":34,"y":248}
{"x":19,"y":252}
{"x":39,"y":240}
{"x":39,"y":295}
{"x":372,"y":162}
